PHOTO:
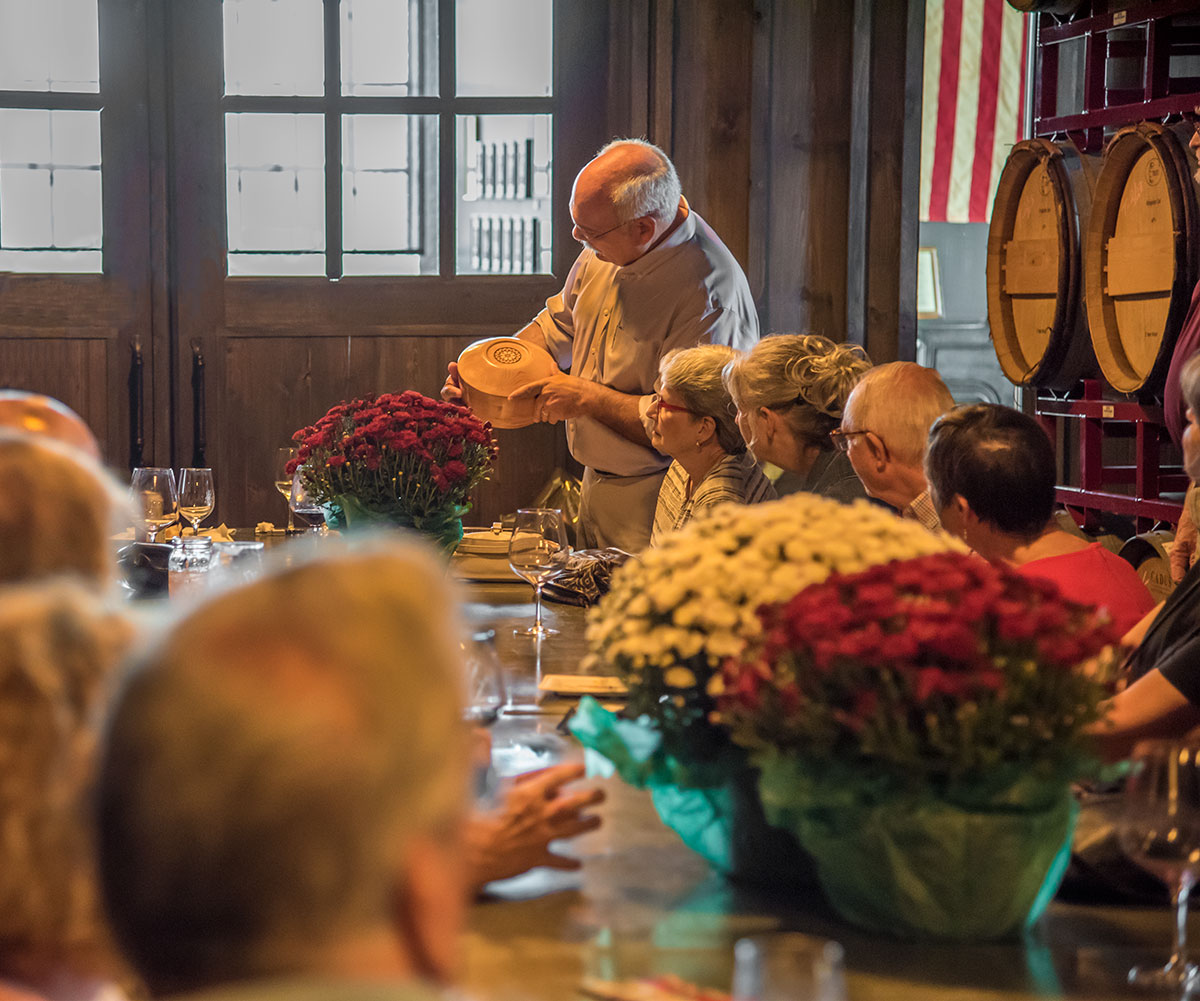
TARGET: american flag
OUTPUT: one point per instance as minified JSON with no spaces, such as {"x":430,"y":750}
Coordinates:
{"x":971,"y":114}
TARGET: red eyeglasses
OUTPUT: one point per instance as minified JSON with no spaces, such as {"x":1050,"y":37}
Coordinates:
{"x":658,"y":403}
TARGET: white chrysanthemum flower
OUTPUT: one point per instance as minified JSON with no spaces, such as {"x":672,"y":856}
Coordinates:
{"x":696,"y":595}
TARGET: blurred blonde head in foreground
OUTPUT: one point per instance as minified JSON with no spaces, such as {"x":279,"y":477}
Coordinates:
{"x":57,"y":652}
{"x":284,"y":779}
{"x":58,"y":511}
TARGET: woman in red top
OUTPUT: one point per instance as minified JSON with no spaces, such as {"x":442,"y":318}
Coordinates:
{"x":991,"y":474}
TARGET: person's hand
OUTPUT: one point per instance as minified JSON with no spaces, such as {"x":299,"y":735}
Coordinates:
{"x":452,"y":388}
{"x":534,"y":811}
{"x":559,"y":396}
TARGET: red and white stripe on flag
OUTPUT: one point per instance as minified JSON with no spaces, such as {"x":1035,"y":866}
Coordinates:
{"x":971,"y":110}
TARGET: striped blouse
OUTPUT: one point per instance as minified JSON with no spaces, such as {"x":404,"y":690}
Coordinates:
{"x":736,"y":478}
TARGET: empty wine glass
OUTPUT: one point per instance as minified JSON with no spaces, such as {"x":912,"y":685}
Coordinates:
{"x":299,"y":502}
{"x":788,"y":967}
{"x":155,"y":498}
{"x":196,"y":496}
{"x":283,"y":480}
{"x":537,"y":552}
{"x":1160,"y":830}
{"x":485,"y":680}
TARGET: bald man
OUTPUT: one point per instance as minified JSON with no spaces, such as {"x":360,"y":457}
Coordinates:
{"x":885,"y":426}
{"x":32,"y":413}
{"x":652,"y":276}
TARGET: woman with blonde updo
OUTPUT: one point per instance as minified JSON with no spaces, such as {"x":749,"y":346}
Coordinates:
{"x":789,"y":390}
{"x":58,"y":648}
{"x":694,"y":424}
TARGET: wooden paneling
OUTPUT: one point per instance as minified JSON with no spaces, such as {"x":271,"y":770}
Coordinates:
{"x":278,"y":384}
{"x":710,"y":113}
{"x":71,"y":369}
{"x":835,"y":152}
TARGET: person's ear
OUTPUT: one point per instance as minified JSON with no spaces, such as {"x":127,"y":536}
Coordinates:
{"x":770,"y":422}
{"x":429,"y":898}
{"x":643,"y":229}
{"x":706,"y":430}
{"x":878,"y":450}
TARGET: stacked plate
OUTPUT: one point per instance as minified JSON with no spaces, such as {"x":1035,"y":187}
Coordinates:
{"x":483,"y":555}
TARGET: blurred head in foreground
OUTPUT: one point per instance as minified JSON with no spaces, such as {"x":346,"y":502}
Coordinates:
{"x":44,"y":416}
{"x":283,"y":781}
{"x":58,"y":512}
{"x":57,"y":651}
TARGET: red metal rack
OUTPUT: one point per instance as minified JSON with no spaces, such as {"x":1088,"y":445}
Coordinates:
{"x":1126,"y":69}
{"x":1097,"y":420}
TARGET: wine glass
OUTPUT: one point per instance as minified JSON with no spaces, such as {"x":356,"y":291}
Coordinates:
{"x":155,"y":499}
{"x":788,"y":967}
{"x":299,"y":502}
{"x":1160,"y":830}
{"x":283,"y":481}
{"x":537,"y":552}
{"x":195,"y":495}
{"x":485,"y":680}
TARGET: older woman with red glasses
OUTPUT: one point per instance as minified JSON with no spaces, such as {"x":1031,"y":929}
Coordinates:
{"x":694,"y":424}
{"x":790,"y":390}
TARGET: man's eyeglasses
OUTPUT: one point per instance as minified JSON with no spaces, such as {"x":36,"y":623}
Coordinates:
{"x":590,"y":237}
{"x":658,"y":403}
{"x":842,"y":438}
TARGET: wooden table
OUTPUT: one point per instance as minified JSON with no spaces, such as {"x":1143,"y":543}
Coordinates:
{"x":643,"y":898}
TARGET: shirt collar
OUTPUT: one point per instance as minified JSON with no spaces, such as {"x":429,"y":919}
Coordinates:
{"x":651,"y":259}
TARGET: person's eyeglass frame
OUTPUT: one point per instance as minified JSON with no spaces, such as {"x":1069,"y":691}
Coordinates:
{"x":589,"y":237}
{"x":841,"y":438}
{"x":1193,"y":119}
{"x":658,"y":403}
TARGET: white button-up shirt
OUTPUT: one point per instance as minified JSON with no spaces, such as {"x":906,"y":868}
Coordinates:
{"x":612,"y":324}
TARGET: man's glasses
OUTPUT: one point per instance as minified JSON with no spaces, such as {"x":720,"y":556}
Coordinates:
{"x":842,"y":438}
{"x":590,"y":237}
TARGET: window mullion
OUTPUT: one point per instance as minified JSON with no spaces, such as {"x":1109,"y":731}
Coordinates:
{"x":447,"y":153}
{"x":333,"y":140}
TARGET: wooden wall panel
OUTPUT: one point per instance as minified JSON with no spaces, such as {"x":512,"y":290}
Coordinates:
{"x":710,"y":113}
{"x":71,"y":369}
{"x":277,"y":384}
{"x":274,"y":386}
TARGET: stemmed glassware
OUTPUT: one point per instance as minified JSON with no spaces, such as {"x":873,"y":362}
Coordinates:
{"x":1160,"y":830}
{"x":196,"y":498}
{"x":485,"y":680}
{"x":309,"y":510}
{"x":537,"y":552}
{"x":155,"y":498}
{"x":283,"y":481}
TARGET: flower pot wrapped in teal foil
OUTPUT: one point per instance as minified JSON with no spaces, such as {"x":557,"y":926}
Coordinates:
{"x":709,"y":800}
{"x":918,"y":866}
{"x":917,"y":726}
{"x":399,"y":459}
{"x":443,"y":528}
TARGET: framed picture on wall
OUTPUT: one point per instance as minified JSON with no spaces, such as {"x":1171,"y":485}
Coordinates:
{"x":929,"y":285}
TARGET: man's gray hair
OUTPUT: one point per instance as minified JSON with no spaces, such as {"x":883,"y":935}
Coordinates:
{"x":266,"y":765}
{"x":653,"y":192}
{"x":899,"y":401}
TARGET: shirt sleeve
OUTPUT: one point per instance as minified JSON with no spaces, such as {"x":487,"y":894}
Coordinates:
{"x":557,"y":320}
{"x":1181,"y":667}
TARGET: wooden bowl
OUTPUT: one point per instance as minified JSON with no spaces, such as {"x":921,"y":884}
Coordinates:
{"x":491,"y":369}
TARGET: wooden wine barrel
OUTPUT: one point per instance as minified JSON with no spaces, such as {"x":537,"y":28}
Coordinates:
{"x":1149,"y":555}
{"x":1035,"y":265}
{"x":1140,"y":256}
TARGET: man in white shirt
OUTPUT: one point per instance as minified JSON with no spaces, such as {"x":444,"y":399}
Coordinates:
{"x":652,"y":276}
